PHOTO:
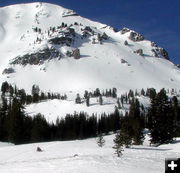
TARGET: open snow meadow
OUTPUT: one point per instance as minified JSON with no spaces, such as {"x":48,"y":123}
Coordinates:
{"x":85,"y":156}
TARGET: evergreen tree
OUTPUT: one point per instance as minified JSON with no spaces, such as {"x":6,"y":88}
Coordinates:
{"x":100,"y":140}
{"x":4,"y":87}
{"x":151,"y":92}
{"x":78,"y":99}
{"x":16,"y":118}
{"x":126,"y":131}
{"x":118,"y":103}
{"x":118,"y":144}
{"x":35,"y":93}
{"x":11,"y":90}
{"x":131,"y":94}
{"x":100,"y":100}
{"x":97,"y":92}
{"x":87,"y":100}
{"x":40,"y":129}
{"x":176,"y":111}
{"x":142,"y":92}
{"x":136,"y":122}
{"x":86,"y":94}
{"x":161,"y":119}
{"x":114,"y":93}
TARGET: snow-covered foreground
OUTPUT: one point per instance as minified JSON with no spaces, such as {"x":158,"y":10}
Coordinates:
{"x":59,"y":157}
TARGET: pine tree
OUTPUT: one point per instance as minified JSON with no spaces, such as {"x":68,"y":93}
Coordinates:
{"x":16,"y":118}
{"x":161,"y":119}
{"x":39,"y":131}
{"x":87,"y":100}
{"x":78,"y":99}
{"x":118,"y":144}
{"x":100,"y":140}
{"x":142,"y":92}
{"x":35,"y":93}
{"x":136,"y":122}
{"x":86,"y":94}
{"x":114,"y":93}
{"x":118,"y":103}
{"x":126,"y":131}
{"x":100,"y":100}
{"x":4,"y":87}
{"x":176,"y":111}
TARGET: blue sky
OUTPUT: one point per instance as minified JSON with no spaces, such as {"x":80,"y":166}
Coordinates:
{"x":157,"y":20}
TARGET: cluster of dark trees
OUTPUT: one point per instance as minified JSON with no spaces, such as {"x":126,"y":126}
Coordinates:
{"x":131,"y":128}
{"x":107,"y":93}
{"x":9,"y":92}
{"x":18,"y":128}
{"x":162,"y":119}
{"x":96,"y":93}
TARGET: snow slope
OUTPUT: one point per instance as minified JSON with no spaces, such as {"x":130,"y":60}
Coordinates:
{"x":52,"y":109}
{"x":99,"y":66}
{"x":60,"y":157}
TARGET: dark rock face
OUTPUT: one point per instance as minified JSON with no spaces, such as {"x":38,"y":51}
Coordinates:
{"x":134,"y":36}
{"x":139,"y":51}
{"x":61,"y":40}
{"x":88,"y":28}
{"x":8,"y":71}
{"x":87,"y":31}
{"x":123,"y":61}
{"x":104,"y":36}
{"x":178,"y":65}
{"x":69,"y":13}
{"x":155,"y":52}
{"x":160,"y":52}
{"x":164,"y":53}
{"x":66,"y":38}
{"x":153,"y":44}
{"x":37,"y":58}
{"x":125,"y":30}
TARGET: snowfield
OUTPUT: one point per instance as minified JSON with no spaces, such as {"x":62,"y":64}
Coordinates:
{"x":52,"y":109}
{"x":85,"y":156}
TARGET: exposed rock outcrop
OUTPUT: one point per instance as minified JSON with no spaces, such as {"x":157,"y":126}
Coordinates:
{"x":8,"y":71}
{"x":134,"y":36}
{"x":159,"y":52}
{"x":37,"y":58}
{"x":139,"y":51}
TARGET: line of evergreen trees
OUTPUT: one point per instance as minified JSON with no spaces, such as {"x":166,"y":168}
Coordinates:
{"x":162,"y":119}
{"x":18,"y":128}
{"x":8,"y":91}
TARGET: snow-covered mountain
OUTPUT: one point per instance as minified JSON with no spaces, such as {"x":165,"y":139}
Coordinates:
{"x":59,"y":50}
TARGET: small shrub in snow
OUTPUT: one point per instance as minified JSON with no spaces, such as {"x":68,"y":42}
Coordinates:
{"x":76,"y":53}
{"x":100,"y":140}
{"x":125,"y":42}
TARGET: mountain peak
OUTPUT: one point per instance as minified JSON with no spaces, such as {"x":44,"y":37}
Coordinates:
{"x":41,"y":40}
